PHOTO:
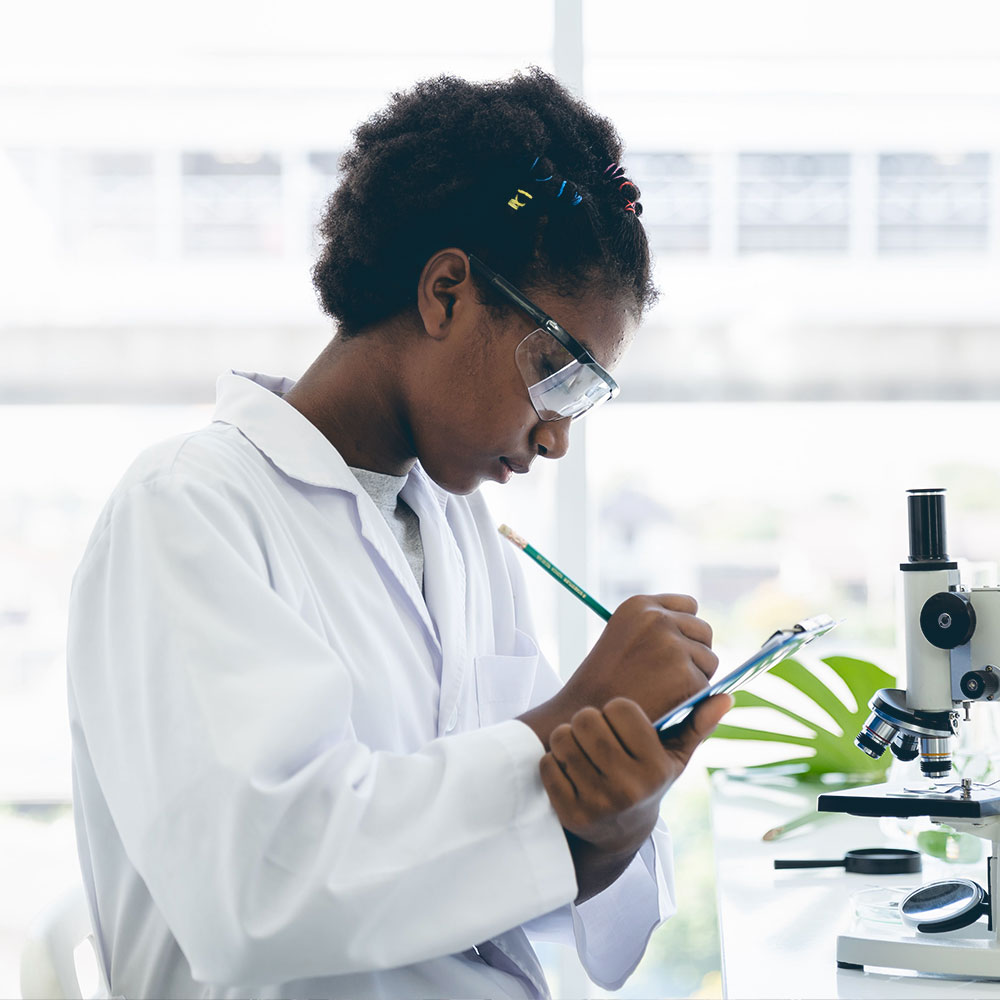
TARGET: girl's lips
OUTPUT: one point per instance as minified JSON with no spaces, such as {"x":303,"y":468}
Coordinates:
{"x":515,"y":466}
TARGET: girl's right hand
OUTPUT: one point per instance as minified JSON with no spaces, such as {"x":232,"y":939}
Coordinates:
{"x":653,"y":651}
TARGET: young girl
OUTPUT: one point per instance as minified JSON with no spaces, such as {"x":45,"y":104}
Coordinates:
{"x":316,"y":752}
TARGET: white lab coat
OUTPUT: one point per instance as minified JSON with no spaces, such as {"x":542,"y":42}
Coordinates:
{"x":293,"y":775}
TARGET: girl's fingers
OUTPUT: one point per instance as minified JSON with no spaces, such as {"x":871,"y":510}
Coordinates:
{"x":698,"y":726}
{"x":632,"y":729}
{"x":598,"y":740}
{"x":560,"y":789}
{"x":573,"y":759}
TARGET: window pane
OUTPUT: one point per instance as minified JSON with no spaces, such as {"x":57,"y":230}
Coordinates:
{"x":231,"y":203}
{"x":933,"y":203}
{"x":108,"y":202}
{"x":794,"y":202}
{"x":676,"y":199}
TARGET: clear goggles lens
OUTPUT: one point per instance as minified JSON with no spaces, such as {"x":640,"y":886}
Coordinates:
{"x":559,"y":385}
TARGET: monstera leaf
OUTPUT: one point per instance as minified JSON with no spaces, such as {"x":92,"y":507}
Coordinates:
{"x":824,"y":752}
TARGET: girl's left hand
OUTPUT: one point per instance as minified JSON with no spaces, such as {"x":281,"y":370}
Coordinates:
{"x":607,"y":770}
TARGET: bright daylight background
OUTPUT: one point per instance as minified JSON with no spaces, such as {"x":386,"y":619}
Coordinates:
{"x":821,"y":183}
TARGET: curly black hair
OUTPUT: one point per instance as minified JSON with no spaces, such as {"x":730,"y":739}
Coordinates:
{"x":518,"y":172}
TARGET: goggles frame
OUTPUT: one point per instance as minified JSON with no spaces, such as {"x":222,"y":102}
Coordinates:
{"x":549,"y":325}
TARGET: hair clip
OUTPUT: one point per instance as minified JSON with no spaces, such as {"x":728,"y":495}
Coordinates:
{"x":531,"y":170}
{"x":515,"y":203}
{"x":616,"y":172}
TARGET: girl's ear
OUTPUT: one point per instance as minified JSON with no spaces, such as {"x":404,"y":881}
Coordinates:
{"x":444,"y":292}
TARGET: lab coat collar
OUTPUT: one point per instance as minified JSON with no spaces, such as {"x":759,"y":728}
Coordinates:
{"x":252,"y":403}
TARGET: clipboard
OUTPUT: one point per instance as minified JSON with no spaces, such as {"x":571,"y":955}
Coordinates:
{"x":778,"y":647}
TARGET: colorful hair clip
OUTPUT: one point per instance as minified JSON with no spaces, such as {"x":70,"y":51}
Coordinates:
{"x":515,"y":203}
{"x":531,"y":170}
{"x":616,"y":172}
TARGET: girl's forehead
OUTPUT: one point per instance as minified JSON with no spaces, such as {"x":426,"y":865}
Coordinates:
{"x":604,"y":325}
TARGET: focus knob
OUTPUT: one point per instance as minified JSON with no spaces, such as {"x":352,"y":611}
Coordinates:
{"x":978,"y":684}
{"x":948,"y":620}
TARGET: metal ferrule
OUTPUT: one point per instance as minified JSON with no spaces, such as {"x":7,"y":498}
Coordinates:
{"x":935,"y":757}
{"x":880,"y":730}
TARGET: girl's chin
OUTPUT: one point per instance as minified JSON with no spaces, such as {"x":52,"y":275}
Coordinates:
{"x":459,"y":482}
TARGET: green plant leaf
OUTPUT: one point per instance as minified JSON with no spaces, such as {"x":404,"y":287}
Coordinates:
{"x":832,"y":752}
{"x":802,"y":679}
{"x":949,"y":845}
{"x":751,"y":700}
{"x":862,"y":678}
{"x":737,"y":733}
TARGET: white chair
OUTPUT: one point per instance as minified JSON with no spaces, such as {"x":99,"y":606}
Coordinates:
{"x":59,"y":957}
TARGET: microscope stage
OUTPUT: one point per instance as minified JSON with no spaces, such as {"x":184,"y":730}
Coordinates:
{"x":883,"y":800}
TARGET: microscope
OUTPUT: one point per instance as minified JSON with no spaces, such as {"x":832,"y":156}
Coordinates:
{"x":952,"y":647}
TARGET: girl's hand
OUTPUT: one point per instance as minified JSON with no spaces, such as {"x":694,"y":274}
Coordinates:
{"x":654,"y":651}
{"x":606,"y":772}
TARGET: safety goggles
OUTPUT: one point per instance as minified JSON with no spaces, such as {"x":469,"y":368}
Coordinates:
{"x":562,"y":377}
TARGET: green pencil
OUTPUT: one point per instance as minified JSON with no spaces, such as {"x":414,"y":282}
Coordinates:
{"x":558,"y":574}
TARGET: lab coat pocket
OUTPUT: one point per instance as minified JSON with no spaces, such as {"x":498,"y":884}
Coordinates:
{"x":504,"y":683}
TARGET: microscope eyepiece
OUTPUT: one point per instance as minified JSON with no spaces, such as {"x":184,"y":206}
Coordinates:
{"x":928,"y":541}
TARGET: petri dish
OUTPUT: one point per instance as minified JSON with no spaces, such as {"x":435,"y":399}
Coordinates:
{"x":880,"y":905}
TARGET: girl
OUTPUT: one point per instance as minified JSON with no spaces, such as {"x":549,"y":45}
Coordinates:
{"x":316,"y":751}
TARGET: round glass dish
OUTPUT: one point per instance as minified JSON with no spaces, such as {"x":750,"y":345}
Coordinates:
{"x":880,"y":905}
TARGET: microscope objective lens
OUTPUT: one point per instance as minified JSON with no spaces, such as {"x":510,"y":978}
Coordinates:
{"x":935,"y":757}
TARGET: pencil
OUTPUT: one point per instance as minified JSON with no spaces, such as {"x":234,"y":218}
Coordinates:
{"x":558,"y":574}
{"x":806,"y":819}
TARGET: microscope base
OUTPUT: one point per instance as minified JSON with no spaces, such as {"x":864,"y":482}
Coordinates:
{"x":972,"y":952}
{"x":969,"y":958}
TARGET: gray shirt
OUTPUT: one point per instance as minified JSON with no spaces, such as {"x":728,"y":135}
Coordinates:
{"x":404,"y":524}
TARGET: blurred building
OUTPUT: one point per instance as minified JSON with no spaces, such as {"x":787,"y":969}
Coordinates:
{"x":823,"y":201}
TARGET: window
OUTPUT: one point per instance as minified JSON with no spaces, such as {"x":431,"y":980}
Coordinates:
{"x":794,"y":202}
{"x":933,"y":203}
{"x":108,"y":202}
{"x":231,"y":204}
{"x":676,"y":199}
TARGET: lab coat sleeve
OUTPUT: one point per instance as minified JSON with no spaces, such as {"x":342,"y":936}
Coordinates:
{"x":610,"y":930}
{"x":275,"y":845}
